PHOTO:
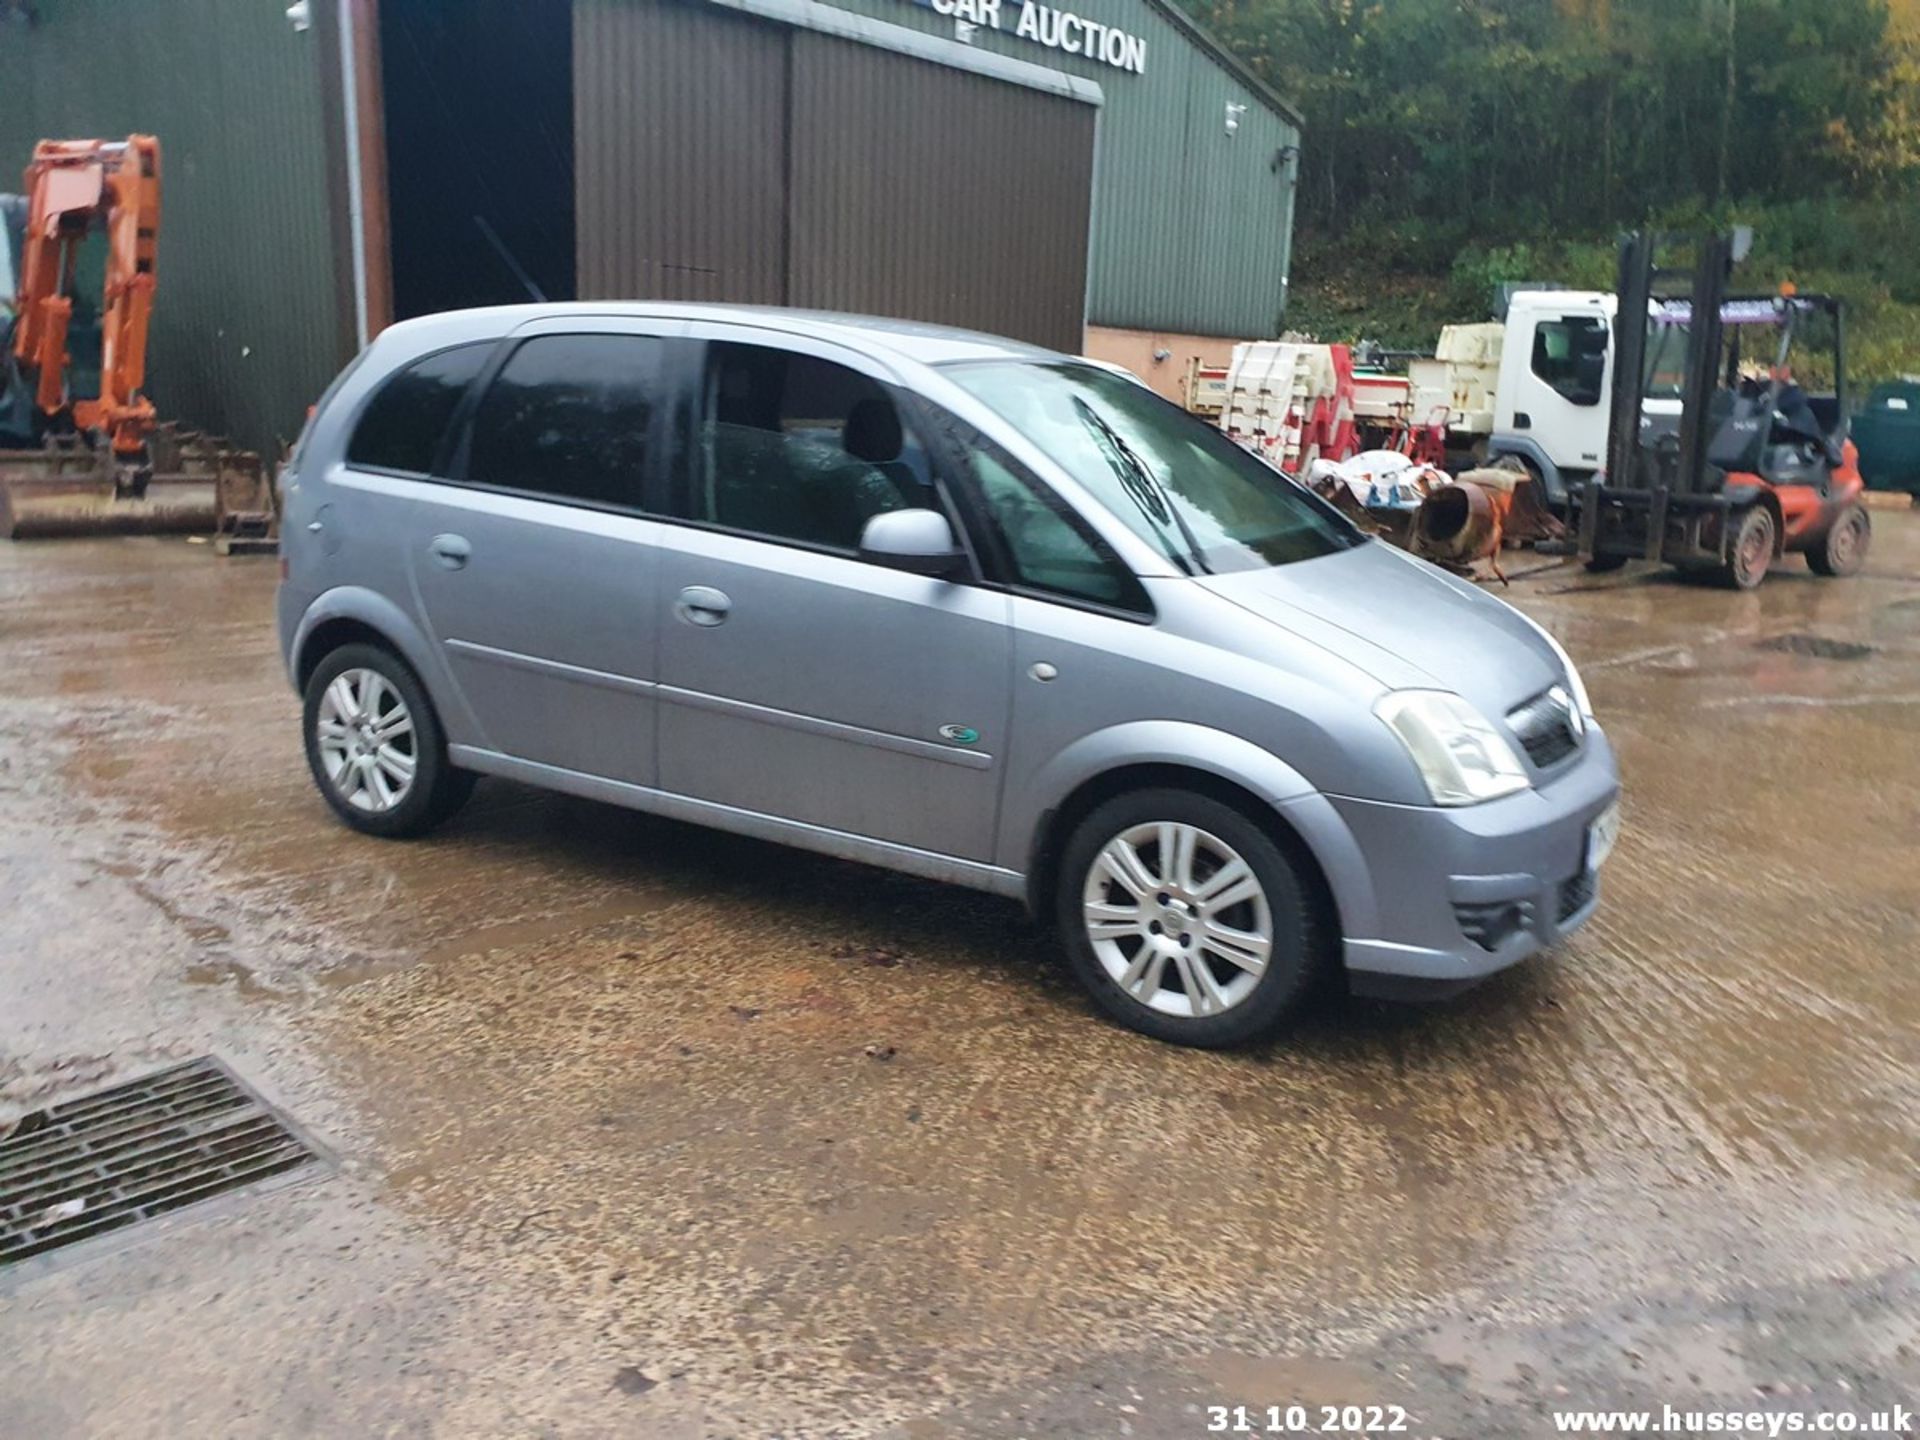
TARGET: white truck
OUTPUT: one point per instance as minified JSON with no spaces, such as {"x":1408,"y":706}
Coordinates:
{"x":1533,"y":386}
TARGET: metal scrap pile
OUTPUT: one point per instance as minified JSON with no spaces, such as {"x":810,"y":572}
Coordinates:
{"x":1452,"y":521}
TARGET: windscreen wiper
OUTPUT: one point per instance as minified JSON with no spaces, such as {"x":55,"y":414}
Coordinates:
{"x":1141,"y":486}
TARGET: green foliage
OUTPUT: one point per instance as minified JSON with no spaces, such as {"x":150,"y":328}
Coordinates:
{"x":1455,"y":144}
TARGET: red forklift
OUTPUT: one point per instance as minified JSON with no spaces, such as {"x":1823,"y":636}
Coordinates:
{"x":1718,"y":462}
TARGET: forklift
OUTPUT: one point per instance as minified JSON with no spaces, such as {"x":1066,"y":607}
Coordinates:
{"x":1718,"y":463}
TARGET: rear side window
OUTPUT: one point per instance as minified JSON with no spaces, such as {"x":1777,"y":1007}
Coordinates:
{"x":401,"y":428}
{"x":796,"y":448}
{"x":572,"y":417}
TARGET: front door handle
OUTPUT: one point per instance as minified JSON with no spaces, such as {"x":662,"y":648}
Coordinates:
{"x":451,"y":551}
{"x":703,"y":605}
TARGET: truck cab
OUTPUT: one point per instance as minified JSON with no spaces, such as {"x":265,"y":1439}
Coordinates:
{"x":1550,"y":397}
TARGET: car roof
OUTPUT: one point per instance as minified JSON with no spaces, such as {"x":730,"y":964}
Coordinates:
{"x":908,"y":339}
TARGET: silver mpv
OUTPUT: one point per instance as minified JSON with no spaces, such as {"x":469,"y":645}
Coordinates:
{"x":941,"y":602}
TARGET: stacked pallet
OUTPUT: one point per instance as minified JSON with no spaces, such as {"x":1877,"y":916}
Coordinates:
{"x":1291,"y":401}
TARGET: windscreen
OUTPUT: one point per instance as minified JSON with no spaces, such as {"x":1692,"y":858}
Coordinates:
{"x":1205,"y":503}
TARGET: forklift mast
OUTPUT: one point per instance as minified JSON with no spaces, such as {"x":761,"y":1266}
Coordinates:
{"x":1642,"y":286}
{"x":1667,"y":466}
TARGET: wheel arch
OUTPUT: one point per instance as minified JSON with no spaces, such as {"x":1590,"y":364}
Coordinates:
{"x":1306,"y":829}
{"x":1741,"y":496}
{"x":349,"y":613}
{"x":1556,"y":483}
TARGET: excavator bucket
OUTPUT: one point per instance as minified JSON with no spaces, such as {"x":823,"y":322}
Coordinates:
{"x":195,"y":484}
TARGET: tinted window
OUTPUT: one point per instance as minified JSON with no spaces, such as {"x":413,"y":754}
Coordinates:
{"x":1570,"y":354}
{"x":797,"y":448}
{"x":569,"y":416}
{"x":401,"y":428}
{"x":1178,"y":483}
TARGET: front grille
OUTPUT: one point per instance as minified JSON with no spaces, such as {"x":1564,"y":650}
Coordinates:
{"x":1547,"y":727}
{"x":1575,"y":895}
{"x":109,"y":1160}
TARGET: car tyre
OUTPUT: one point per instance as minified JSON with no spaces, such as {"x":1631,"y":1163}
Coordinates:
{"x":1217,"y":872}
{"x":1843,"y":549}
{"x":1605,"y":564}
{"x":375,"y":745}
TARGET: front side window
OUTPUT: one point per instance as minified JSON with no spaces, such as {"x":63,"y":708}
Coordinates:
{"x":570,"y":416}
{"x":797,"y":448}
{"x":1043,"y":546}
{"x":1178,"y":483}
{"x":1570,"y":354}
{"x":402,"y":426}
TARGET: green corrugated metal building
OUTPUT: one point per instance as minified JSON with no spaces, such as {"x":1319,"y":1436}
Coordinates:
{"x":249,"y":315}
{"x":1092,"y":174}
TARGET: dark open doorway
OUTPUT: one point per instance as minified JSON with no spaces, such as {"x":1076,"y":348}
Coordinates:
{"x":479,"y":129}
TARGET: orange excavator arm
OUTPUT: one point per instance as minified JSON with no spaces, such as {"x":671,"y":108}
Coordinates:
{"x":74,"y":187}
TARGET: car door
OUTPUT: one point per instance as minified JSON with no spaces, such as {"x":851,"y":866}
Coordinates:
{"x":1562,"y":398}
{"x":799,"y":681}
{"x":537,"y":568}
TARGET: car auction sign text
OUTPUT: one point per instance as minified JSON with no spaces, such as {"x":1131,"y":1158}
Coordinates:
{"x":1055,"y":28}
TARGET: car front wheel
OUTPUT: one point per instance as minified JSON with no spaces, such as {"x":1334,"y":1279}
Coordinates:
{"x":1184,"y":919}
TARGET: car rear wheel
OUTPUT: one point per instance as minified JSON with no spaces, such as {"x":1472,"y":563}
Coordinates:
{"x":1184,"y":920}
{"x":1751,"y":550}
{"x":375,"y":746}
{"x":1843,"y":549}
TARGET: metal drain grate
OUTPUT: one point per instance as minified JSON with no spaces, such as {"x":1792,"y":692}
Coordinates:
{"x":109,"y":1160}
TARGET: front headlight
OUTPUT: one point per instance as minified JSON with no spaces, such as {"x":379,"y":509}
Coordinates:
{"x":1463,"y":759}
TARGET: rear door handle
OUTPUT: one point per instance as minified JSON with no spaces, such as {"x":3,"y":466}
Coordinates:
{"x":703,"y":605}
{"x":452,"y":551}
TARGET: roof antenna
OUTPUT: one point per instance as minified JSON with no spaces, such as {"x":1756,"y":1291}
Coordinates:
{"x":500,"y":247}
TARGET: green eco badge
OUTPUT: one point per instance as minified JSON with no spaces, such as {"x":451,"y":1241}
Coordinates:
{"x":959,"y":734}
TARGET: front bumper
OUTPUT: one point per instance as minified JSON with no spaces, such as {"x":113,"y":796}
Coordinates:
{"x":1462,"y":893}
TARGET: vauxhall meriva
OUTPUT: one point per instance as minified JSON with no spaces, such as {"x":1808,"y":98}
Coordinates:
{"x":941,"y":602}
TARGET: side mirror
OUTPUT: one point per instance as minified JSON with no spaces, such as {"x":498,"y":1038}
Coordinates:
{"x":918,"y":541}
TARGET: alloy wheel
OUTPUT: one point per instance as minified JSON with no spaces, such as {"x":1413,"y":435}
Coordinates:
{"x":366,"y":739}
{"x":1177,"y":919}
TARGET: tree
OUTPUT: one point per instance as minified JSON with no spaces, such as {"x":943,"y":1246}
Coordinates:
{"x":1437,"y":122}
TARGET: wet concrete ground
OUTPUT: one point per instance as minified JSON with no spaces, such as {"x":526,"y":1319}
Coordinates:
{"x":616,"y":1150}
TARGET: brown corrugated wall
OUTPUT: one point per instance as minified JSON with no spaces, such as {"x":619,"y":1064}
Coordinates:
{"x":679,"y":152}
{"x":725,"y":158}
{"x":926,"y":191}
